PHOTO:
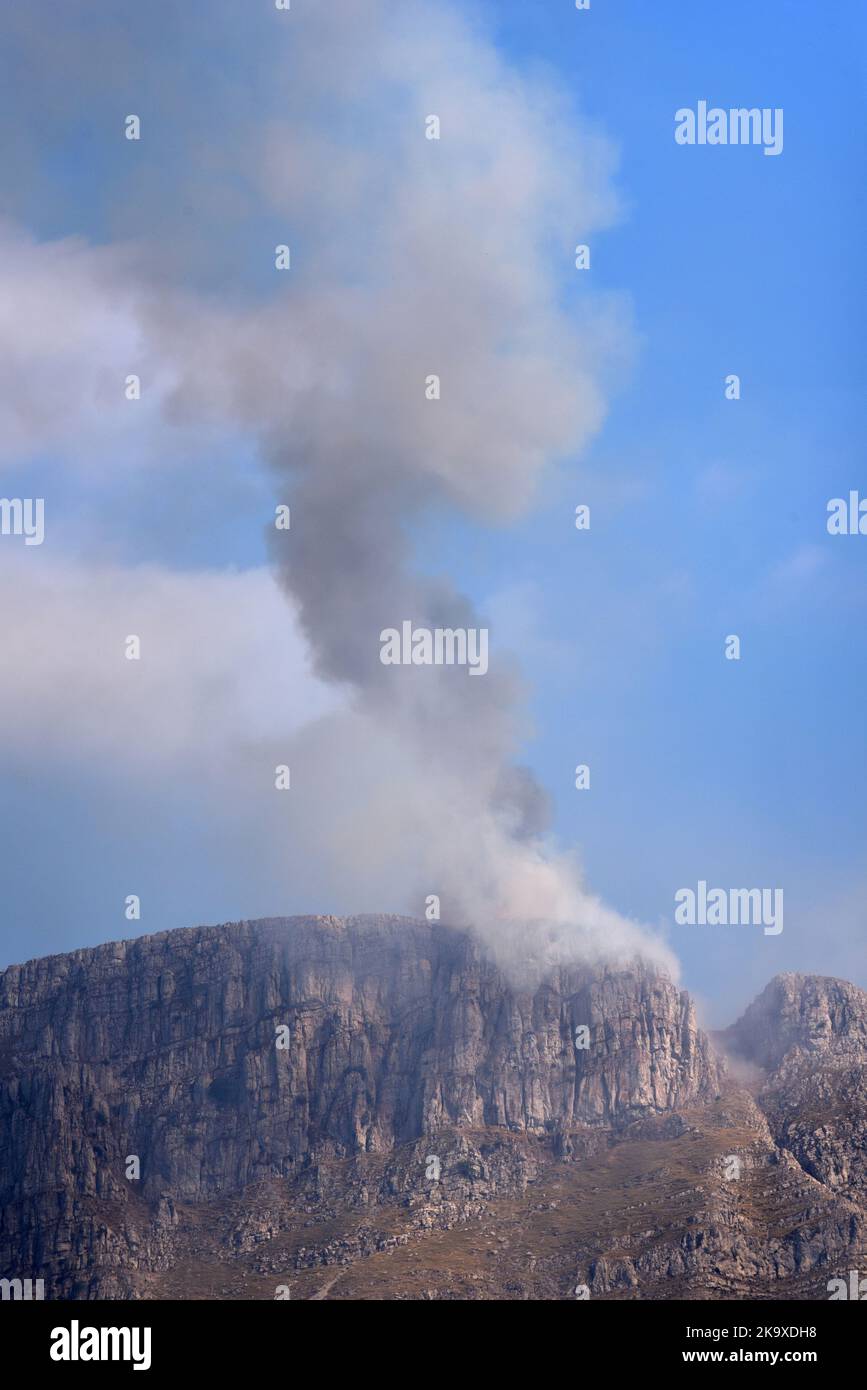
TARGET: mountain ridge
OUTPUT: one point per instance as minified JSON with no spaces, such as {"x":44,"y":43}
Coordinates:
{"x":296,"y":1076}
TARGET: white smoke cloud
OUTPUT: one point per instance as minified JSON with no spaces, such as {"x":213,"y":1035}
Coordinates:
{"x":410,"y":257}
{"x":222,"y":666}
{"x":70,"y":333}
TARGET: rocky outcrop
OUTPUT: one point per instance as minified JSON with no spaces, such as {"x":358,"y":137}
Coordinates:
{"x":372,"y":1107}
{"x":206,"y":1060}
{"x":221,"y":1056}
{"x":802,"y":1016}
{"x":809,"y":1034}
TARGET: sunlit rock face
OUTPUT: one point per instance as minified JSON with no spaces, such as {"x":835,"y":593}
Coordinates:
{"x":209,"y":1111}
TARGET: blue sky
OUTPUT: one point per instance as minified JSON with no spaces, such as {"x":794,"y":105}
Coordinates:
{"x":734,"y":262}
{"x":708,"y":515}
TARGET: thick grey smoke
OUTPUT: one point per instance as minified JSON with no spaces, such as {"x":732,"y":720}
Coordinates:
{"x":459,"y":238}
{"x":410,"y":257}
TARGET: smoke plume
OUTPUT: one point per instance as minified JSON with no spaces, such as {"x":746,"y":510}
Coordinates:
{"x":410,"y":257}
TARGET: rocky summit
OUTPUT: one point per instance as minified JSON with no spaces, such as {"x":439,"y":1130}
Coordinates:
{"x":372,"y":1108}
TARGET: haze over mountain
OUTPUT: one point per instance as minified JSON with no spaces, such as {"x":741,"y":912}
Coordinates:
{"x":373,"y":1108}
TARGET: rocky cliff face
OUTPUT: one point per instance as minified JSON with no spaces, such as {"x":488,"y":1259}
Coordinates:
{"x":205,"y":1112}
{"x":809,"y":1034}
{"x":167,"y":1047}
{"x":802,"y":1017}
